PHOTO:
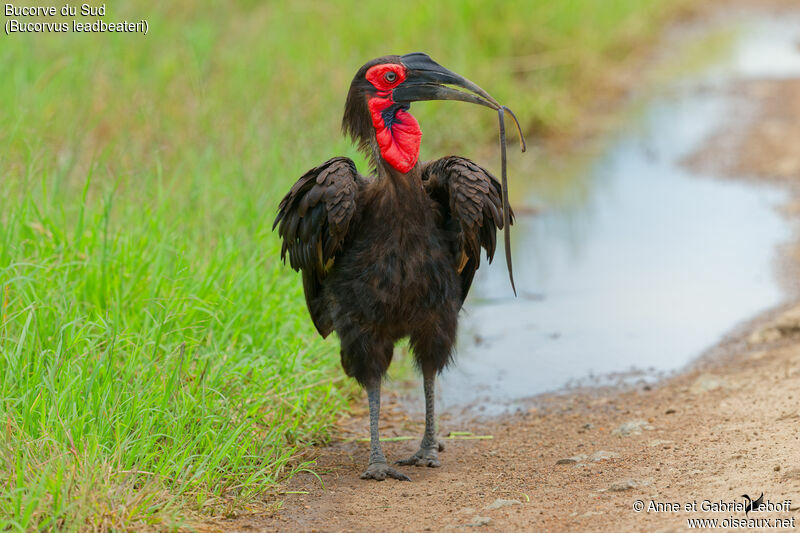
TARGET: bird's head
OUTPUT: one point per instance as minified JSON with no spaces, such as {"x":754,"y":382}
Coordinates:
{"x":376,"y":111}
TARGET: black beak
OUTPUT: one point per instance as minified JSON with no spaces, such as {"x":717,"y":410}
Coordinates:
{"x":428,"y":80}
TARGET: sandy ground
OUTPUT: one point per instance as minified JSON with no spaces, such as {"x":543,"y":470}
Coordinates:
{"x":581,"y":462}
{"x":728,"y":426}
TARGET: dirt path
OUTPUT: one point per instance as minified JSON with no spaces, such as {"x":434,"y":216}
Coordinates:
{"x":580,"y":462}
{"x":715,"y":433}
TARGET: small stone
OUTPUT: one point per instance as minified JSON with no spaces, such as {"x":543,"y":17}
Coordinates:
{"x":624,"y":485}
{"x":792,"y":474}
{"x":632,"y":427}
{"x":786,"y":325}
{"x":602,"y":455}
{"x":659,"y":442}
{"x":706,"y":383}
{"x":500,"y":502}
{"x":478,"y":521}
{"x":588,"y":425}
{"x":572,"y":460}
{"x":777,"y":468}
{"x":763,"y":336}
{"x":670,"y":412}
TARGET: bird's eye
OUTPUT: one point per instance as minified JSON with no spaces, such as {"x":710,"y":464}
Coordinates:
{"x":390,"y":76}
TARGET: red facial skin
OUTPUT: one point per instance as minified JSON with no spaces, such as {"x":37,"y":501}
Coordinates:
{"x":399,"y":144}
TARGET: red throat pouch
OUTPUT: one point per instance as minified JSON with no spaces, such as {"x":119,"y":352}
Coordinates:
{"x":399,"y":141}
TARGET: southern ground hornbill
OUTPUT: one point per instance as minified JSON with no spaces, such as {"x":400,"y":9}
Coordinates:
{"x":393,"y":255}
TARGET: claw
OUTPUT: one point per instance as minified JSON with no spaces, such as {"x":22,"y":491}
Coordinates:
{"x":380,"y":471}
{"x":424,"y":457}
{"x":419,"y":461}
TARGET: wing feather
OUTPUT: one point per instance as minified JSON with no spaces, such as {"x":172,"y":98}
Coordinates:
{"x":472,"y":202}
{"x":313,"y":221}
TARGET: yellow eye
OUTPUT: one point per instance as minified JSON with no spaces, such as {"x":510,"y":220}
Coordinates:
{"x":390,"y":76}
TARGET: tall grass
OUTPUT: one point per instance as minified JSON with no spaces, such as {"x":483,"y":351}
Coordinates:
{"x":136,"y":360}
{"x":156,"y":360}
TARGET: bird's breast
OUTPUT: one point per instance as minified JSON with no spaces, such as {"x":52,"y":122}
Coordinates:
{"x":398,"y":261}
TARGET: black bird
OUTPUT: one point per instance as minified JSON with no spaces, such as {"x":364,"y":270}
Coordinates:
{"x":753,"y":505}
{"x":393,"y":255}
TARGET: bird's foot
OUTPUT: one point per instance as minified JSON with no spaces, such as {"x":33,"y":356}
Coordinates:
{"x":380,"y":471}
{"x":425,"y":456}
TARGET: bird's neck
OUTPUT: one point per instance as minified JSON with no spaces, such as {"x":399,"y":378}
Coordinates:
{"x":403,"y":182}
{"x":398,"y":190}
{"x":397,"y":133}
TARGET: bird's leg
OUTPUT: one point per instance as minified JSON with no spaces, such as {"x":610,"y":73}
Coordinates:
{"x":378,"y":468}
{"x":429,"y":447}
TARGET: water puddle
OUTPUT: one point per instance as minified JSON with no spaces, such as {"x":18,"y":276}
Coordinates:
{"x":644,"y":264}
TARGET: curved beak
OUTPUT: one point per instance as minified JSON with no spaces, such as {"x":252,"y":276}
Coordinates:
{"x":428,"y":80}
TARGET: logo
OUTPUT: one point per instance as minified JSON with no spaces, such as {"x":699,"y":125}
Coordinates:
{"x":752,"y":505}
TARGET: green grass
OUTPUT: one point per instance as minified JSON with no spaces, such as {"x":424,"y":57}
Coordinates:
{"x":156,"y":360}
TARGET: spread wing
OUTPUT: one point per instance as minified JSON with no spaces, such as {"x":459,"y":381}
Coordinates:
{"x":472,"y":203}
{"x":313,"y":221}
